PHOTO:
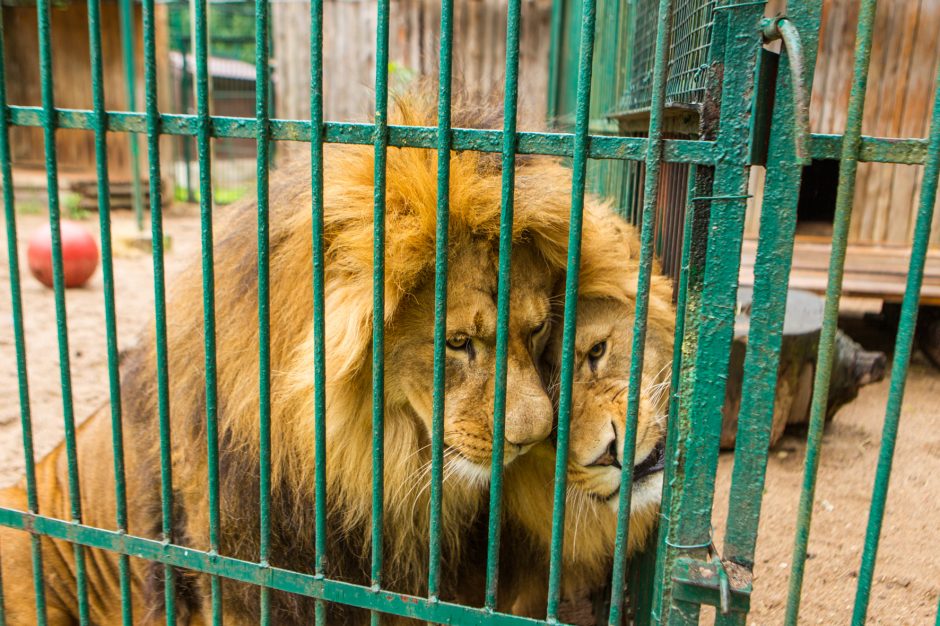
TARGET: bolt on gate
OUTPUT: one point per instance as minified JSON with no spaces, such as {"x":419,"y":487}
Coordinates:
{"x":684,"y":571}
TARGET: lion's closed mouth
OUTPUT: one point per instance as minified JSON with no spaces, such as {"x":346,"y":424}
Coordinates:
{"x":651,"y":464}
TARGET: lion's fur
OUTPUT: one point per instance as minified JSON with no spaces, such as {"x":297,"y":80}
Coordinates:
{"x":607,"y":298}
{"x":540,"y":230}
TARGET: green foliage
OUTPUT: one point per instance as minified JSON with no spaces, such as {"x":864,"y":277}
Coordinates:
{"x":71,"y":202}
{"x":220,"y":196}
{"x":231,"y":30}
{"x":30,"y":207}
{"x":400,"y":75}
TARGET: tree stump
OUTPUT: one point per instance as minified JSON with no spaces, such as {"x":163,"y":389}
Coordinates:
{"x":928,"y":333}
{"x":853,"y":367}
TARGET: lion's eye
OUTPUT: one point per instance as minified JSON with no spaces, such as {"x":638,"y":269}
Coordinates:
{"x":460,"y":342}
{"x":538,"y":329}
{"x":597,"y":350}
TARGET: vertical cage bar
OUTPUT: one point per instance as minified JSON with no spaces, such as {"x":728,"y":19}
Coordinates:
{"x":578,"y":180}
{"x":651,"y":193}
{"x":126,"y":15}
{"x":734,"y":52}
{"x":262,"y":140}
{"x":319,"y":323}
{"x":686,"y":345}
{"x":19,"y":337}
{"x":554,"y":58}
{"x":507,"y":206}
{"x":203,"y":153}
{"x":682,"y":295}
{"x":680,"y":338}
{"x":902,"y":359}
{"x":768,"y":309}
{"x":844,"y":199}
{"x":380,"y":143}
{"x":52,"y":187}
{"x":107,"y":273}
{"x":440,"y":292}
{"x":159,"y":297}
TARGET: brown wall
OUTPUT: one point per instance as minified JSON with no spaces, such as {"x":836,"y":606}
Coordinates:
{"x":72,"y":81}
{"x":479,"y":52}
{"x":901,"y":87}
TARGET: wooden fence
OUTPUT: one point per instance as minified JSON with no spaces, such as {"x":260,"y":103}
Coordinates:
{"x":349,"y":52}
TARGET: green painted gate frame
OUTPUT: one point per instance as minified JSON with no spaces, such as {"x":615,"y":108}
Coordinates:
{"x":718,"y":190}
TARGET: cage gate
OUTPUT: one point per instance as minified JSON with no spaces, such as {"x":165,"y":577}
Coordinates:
{"x":705,"y":54}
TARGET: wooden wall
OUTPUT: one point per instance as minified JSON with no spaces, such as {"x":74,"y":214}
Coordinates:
{"x":349,"y":52}
{"x":905,"y":53}
{"x":72,"y":81}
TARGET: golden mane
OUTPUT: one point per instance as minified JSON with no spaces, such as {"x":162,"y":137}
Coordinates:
{"x":609,"y":272}
{"x":541,"y":219}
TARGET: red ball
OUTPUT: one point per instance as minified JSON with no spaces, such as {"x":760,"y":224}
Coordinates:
{"x":79,"y":254}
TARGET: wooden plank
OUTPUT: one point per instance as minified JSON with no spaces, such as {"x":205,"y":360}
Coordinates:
{"x":872,"y":271}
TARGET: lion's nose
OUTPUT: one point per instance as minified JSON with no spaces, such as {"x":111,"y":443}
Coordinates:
{"x":529,"y":421}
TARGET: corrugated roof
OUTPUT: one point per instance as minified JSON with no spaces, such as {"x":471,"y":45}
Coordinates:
{"x":218,"y":67}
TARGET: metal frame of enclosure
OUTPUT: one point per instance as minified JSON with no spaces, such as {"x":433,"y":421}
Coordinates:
{"x":687,"y":573}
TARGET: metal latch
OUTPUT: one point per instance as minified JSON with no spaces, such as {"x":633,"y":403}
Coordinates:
{"x":783,"y":29}
{"x":722,"y":584}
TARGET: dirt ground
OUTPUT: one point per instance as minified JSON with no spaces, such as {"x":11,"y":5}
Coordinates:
{"x":907,"y":577}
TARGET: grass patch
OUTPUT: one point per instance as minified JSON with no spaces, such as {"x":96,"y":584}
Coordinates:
{"x":222,"y":195}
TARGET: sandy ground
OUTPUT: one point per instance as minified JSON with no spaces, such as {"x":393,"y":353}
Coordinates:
{"x":907,"y":578}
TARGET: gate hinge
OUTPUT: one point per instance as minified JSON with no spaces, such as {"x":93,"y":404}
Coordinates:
{"x":722,"y":584}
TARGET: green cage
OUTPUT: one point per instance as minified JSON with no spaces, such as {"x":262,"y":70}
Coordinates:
{"x":692,"y":33}
{"x":622,"y":96}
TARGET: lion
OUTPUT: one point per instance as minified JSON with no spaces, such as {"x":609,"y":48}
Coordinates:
{"x":540,"y":230}
{"x":603,"y":348}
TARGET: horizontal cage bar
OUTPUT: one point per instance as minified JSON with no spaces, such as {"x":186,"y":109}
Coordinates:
{"x":309,"y":585}
{"x":904,"y":151}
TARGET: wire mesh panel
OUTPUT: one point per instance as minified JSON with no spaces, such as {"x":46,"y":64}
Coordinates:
{"x":688,"y":59}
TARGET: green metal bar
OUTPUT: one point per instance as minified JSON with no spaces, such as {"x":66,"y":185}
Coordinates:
{"x":844,"y":199}
{"x":578,"y":182}
{"x":204,"y":155}
{"x":554,"y":58}
{"x":873,"y":149}
{"x":319,"y":323}
{"x":52,"y":187}
{"x":262,"y":141}
{"x":380,"y":143}
{"x":683,"y":341}
{"x":107,"y":273}
{"x":648,"y":221}
{"x":552,"y":144}
{"x":19,"y":338}
{"x":772,"y":276}
{"x":159,"y":293}
{"x":185,"y":105}
{"x":126,"y":14}
{"x":440,"y":293}
{"x":735,"y":47}
{"x":159,"y":281}
{"x":899,"y":367}
{"x":308,"y":585}
{"x":507,"y":208}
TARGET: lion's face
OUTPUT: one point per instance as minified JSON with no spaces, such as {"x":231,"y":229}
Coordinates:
{"x":471,"y":357}
{"x":599,"y":405}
